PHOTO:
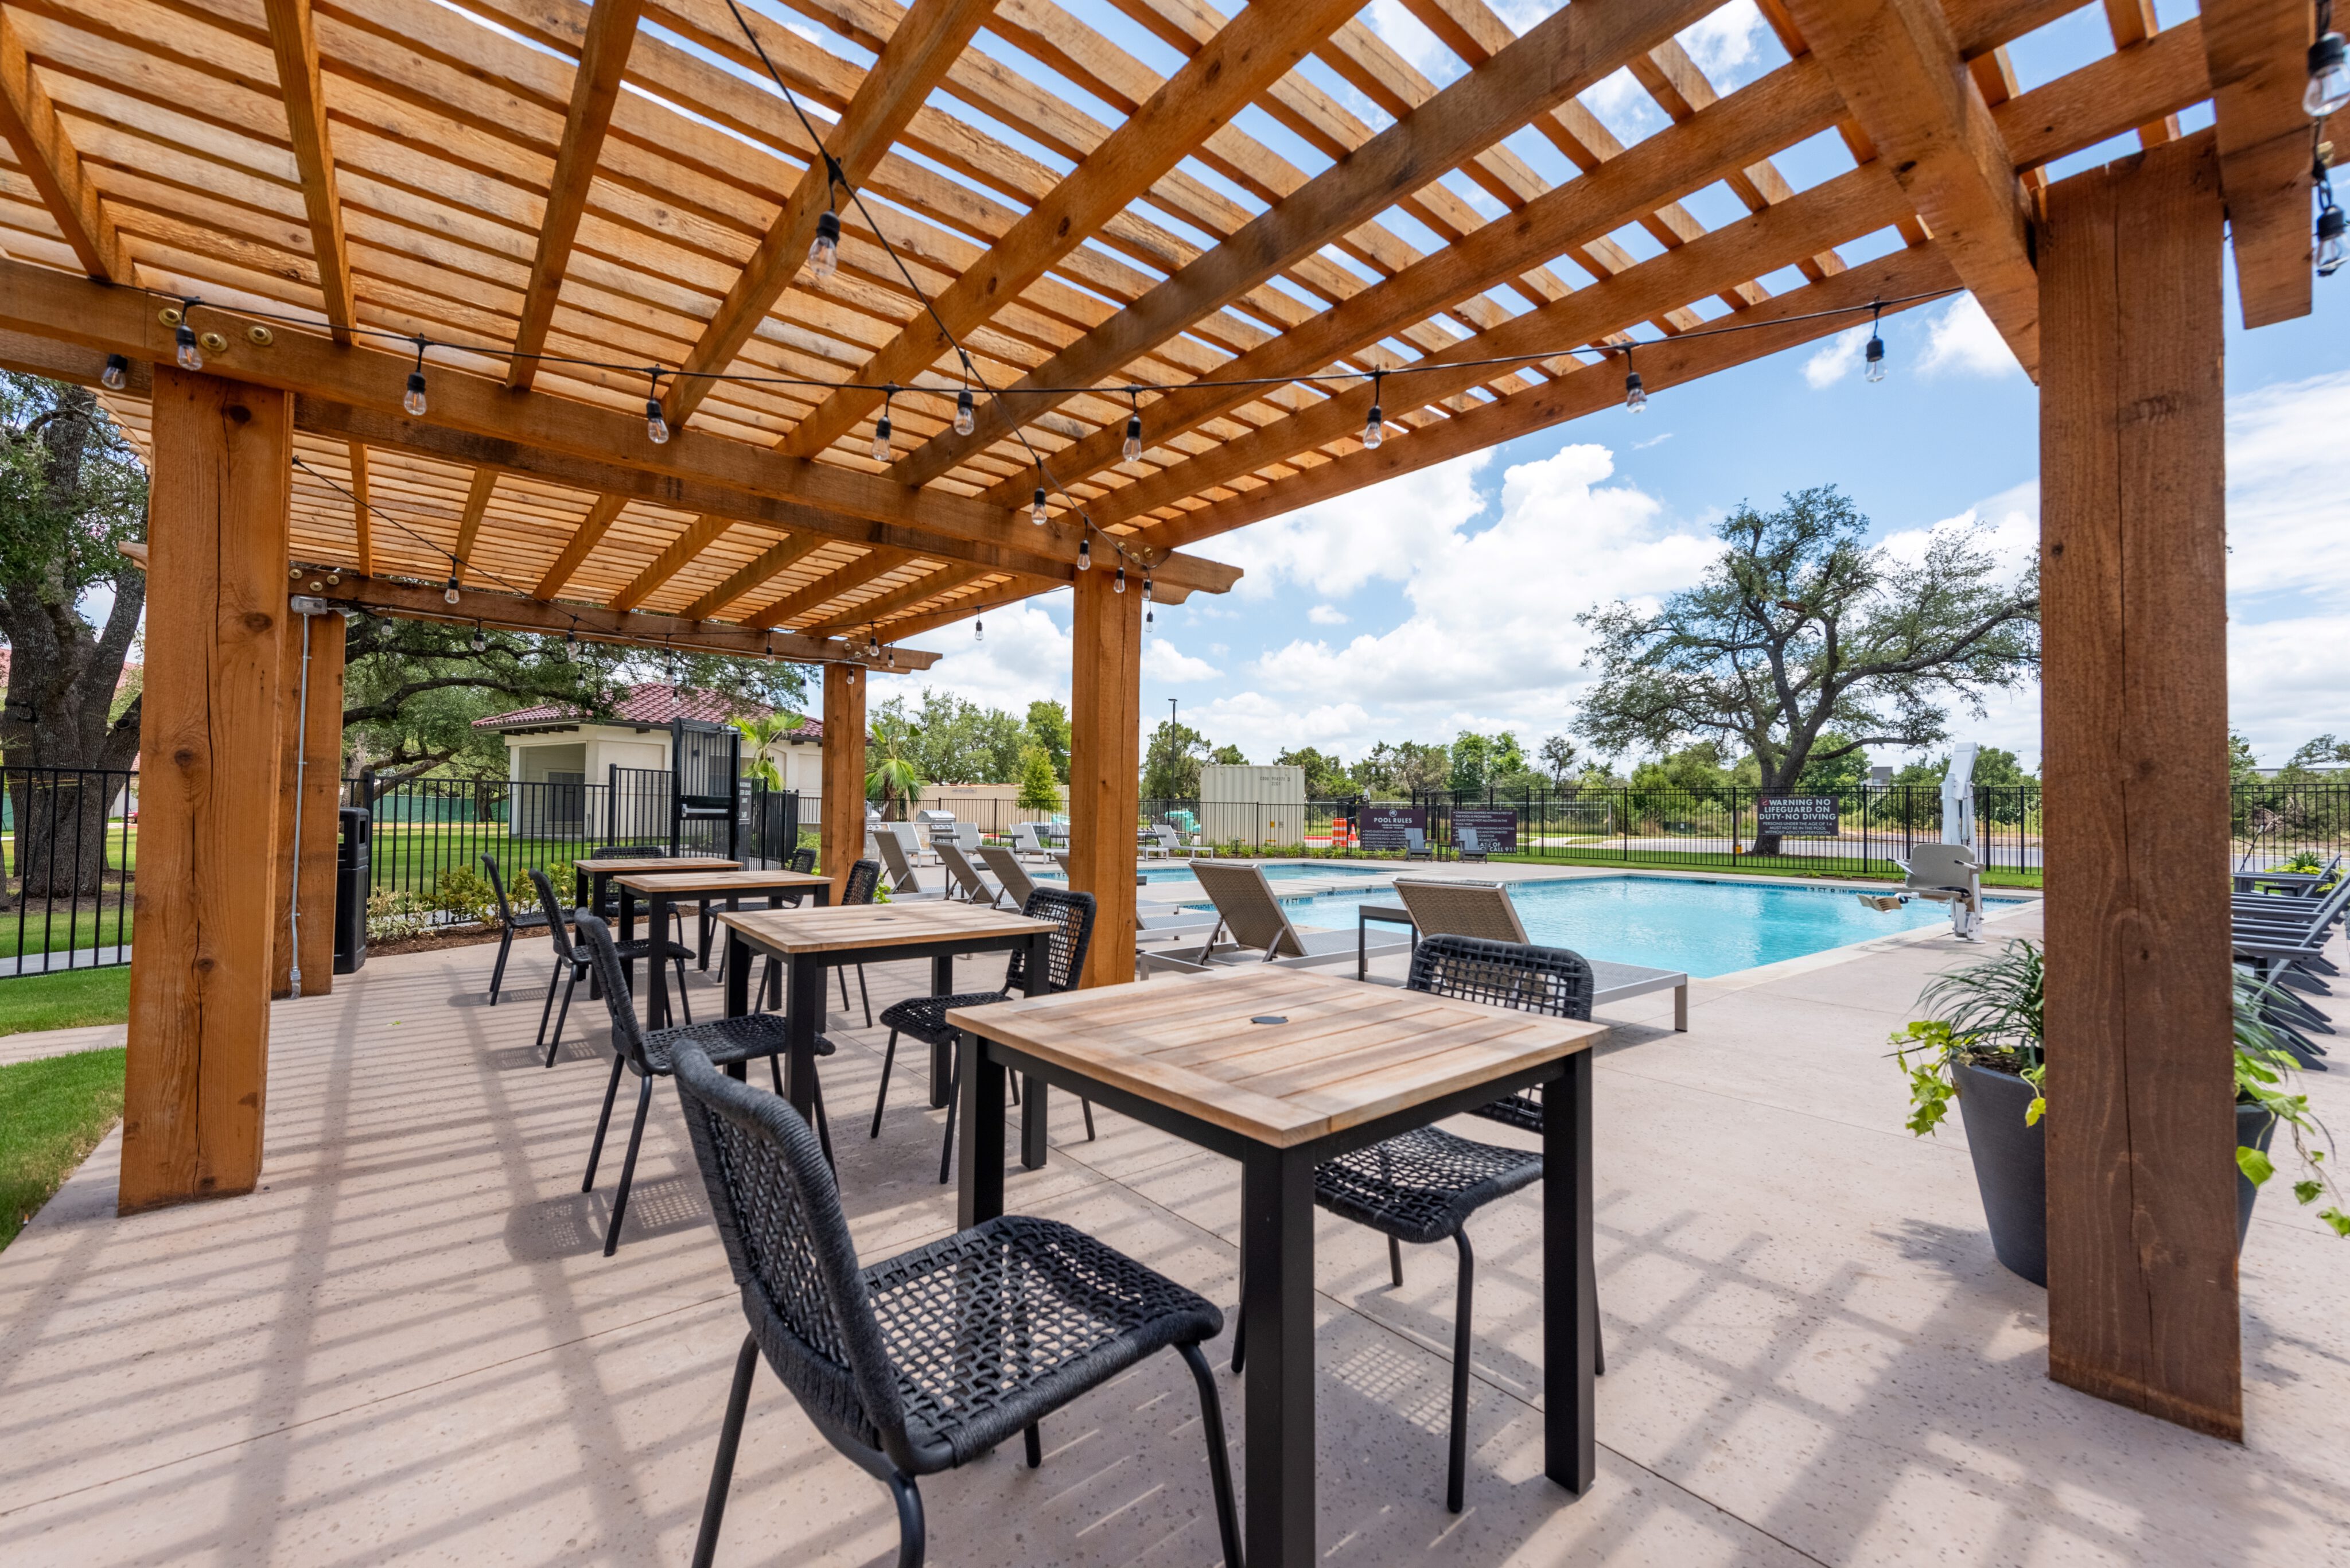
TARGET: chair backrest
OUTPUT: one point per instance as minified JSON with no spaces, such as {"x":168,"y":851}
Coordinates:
{"x":778,"y":1213}
{"x":1466,"y":837}
{"x":863,"y":877}
{"x":960,"y":870}
{"x":1414,"y":840}
{"x":1008,"y":870}
{"x":1168,"y":836}
{"x":628,"y":1040}
{"x":1479,"y":909}
{"x":1065,"y":963}
{"x":1943,"y":866}
{"x":1556,"y":981}
{"x":1246,"y":907}
{"x":630,"y":852}
{"x":901,"y":871}
{"x":498,"y":890}
{"x":555,"y":914}
{"x":1024,"y":839}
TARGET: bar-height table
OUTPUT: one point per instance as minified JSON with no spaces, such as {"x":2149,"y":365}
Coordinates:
{"x":808,"y":941}
{"x":589,"y":878}
{"x":1281,"y":1069}
{"x":661,"y":890}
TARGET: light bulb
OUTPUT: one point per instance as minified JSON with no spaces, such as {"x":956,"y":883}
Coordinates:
{"x":889,"y":656}
{"x":448,"y":594}
{"x":413,"y":400}
{"x":966,"y":420}
{"x":1037,"y":513}
{"x":1085,"y":553}
{"x":2331,"y":249}
{"x":1635,"y":398}
{"x":480,"y":642}
{"x":979,"y":631}
{"x":1132,"y":449}
{"x":1121,"y":585}
{"x":116,"y":374}
{"x":1145,"y":584}
{"x":2329,"y":76}
{"x":1876,"y":370}
{"x":881,"y":439}
{"x":656,"y":426}
{"x":1374,"y":427}
{"x":873,"y":646}
{"x":824,"y":253}
{"x":189,"y":356}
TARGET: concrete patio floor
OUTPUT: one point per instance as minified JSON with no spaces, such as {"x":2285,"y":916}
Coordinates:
{"x":407,"y":1346}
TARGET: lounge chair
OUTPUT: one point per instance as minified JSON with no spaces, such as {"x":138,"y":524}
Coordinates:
{"x":1006,"y":864}
{"x":1171,"y":840}
{"x":963,"y":836}
{"x":1147,"y":844}
{"x":1415,"y":845}
{"x":1466,"y":843}
{"x":902,"y":880}
{"x":1260,"y":928}
{"x":1484,"y":911}
{"x":1061,"y":858}
{"x":964,"y":880}
{"x":2289,"y":883}
{"x":1029,"y":839}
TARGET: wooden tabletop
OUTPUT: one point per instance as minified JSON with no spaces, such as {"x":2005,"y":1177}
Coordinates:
{"x":1343,"y":1054}
{"x":876,"y":925}
{"x":620,"y":865}
{"x":674,"y":882}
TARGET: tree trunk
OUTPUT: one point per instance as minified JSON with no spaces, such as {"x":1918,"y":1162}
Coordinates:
{"x":61,"y":831}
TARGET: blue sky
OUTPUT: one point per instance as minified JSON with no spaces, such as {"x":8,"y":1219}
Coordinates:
{"x":1446,"y":600}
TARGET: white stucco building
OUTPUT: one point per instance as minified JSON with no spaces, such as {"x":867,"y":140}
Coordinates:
{"x":552,"y":743}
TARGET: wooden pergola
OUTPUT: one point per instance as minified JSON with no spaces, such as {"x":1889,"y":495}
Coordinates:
{"x":539,"y":204}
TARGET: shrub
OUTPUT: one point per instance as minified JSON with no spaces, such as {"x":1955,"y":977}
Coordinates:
{"x":393,"y":914}
{"x":466,"y":893}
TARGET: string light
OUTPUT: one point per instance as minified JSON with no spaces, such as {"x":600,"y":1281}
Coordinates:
{"x":1036,"y":511}
{"x":889,"y":656}
{"x":966,"y":418}
{"x":1149,"y":612}
{"x":1876,"y":356}
{"x":413,"y":400}
{"x":882,"y":426}
{"x":872,"y":643}
{"x":1636,"y":396}
{"x":1132,"y":448}
{"x":2333,"y":249}
{"x":2329,"y":69}
{"x":656,"y":422}
{"x":824,"y":252}
{"x":448,"y":594}
{"x":1119,"y":586}
{"x":117,"y":374}
{"x":185,"y":354}
{"x":1084,"y":552}
{"x":481,"y":640}
{"x":978,"y":629}
{"x":1375,"y":427}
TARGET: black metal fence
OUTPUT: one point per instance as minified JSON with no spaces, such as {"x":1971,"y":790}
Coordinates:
{"x":72,"y":847}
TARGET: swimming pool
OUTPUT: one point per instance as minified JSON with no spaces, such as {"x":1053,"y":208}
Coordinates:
{"x":1703,"y":929}
{"x":1161,"y":873}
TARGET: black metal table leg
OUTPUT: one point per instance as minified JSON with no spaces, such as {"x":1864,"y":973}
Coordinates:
{"x":658,"y":907}
{"x":738,"y":974}
{"x":941,"y":1054}
{"x":1036,"y":1117}
{"x":1278,"y":1263}
{"x":980,"y":1193}
{"x":803,"y":1015}
{"x":1570,"y":1288}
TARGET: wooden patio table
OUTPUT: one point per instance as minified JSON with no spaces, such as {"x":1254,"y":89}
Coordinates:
{"x":1281,"y":1069}
{"x":661,"y":890}
{"x":809,"y":941}
{"x":589,"y":878}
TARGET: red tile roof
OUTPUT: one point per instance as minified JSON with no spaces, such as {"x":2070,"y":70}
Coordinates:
{"x":655,"y":704}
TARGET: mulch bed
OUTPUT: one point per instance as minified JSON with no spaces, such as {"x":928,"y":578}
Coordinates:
{"x":462,"y":937}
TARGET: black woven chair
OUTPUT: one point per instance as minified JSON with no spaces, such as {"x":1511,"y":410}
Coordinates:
{"x":651,"y":1054}
{"x":925,"y":1017}
{"x":508,"y":924}
{"x":928,"y":1361}
{"x":572,"y":966}
{"x":802,"y":861}
{"x":864,"y":877}
{"x":1423,"y":1185}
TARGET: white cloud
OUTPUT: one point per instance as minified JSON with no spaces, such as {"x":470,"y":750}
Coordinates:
{"x":2288,"y":510}
{"x":1961,"y":339}
{"x":1024,"y":656}
{"x":1162,"y":660}
{"x":1837,"y":357}
{"x":1404,"y":34}
{"x":2007,"y":525}
{"x":1333,"y":548}
{"x":1326,"y":615}
{"x":1652,"y":440}
{"x":1726,"y":45}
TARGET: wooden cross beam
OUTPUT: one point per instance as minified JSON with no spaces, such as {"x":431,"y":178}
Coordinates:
{"x":29,"y":122}
{"x":764,"y":568}
{"x":293,"y":36}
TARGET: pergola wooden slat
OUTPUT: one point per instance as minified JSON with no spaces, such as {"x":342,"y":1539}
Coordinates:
{"x":617,"y":188}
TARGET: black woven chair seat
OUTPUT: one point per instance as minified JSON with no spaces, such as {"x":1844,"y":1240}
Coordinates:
{"x":1422,"y":1186}
{"x":726,"y":1041}
{"x":1003,"y":1323}
{"x":925,"y":1017}
{"x":639,"y":947}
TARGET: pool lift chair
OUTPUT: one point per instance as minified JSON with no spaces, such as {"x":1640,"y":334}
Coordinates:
{"x":1947,"y":872}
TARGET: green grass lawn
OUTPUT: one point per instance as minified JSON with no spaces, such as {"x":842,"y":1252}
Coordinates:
{"x":52,"y":1113}
{"x":62,"y":931}
{"x":64,"y":1000}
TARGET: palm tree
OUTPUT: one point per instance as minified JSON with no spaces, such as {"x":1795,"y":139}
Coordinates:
{"x":759,"y":732}
{"x":891,"y":776}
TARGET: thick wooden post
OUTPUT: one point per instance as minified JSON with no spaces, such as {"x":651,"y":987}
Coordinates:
{"x":321,"y":780}
{"x":842,"y":830}
{"x":2141,"y":1178}
{"x":199,"y":1036}
{"x":1105,"y":764}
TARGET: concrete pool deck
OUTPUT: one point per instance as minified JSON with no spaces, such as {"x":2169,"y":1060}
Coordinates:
{"x":408,"y":1348}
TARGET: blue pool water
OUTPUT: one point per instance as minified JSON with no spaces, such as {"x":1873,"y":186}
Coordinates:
{"x":1703,"y":929}
{"x":1176,"y":876}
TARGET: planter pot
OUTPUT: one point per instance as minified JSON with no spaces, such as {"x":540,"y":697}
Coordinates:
{"x":2011,"y":1165}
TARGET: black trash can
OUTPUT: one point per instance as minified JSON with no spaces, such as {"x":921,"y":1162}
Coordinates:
{"x":352,"y":891}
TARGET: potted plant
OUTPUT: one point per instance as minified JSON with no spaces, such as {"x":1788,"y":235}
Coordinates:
{"x":1982,"y":1047}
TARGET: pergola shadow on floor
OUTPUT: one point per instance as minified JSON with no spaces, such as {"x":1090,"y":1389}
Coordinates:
{"x":406,"y":1346}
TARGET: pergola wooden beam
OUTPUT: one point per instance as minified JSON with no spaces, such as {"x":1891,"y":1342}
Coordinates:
{"x":1570,"y":51}
{"x":761,"y":569}
{"x":293,"y":37}
{"x":38,"y":138}
{"x":357,"y":393}
{"x":362,"y":515}
{"x":2255,"y":50}
{"x":846,"y":579}
{"x":603,"y":56}
{"x":1019,"y":590}
{"x":699,"y":536}
{"x":1253,"y":51}
{"x":469,"y":522}
{"x":927,"y":39}
{"x":876,"y":611}
{"x":584,"y":539}
{"x":592,"y":623}
{"x":1898,"y":65}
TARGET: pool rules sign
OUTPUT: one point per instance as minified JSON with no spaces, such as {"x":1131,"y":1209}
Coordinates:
{"x":1796,"y":815}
